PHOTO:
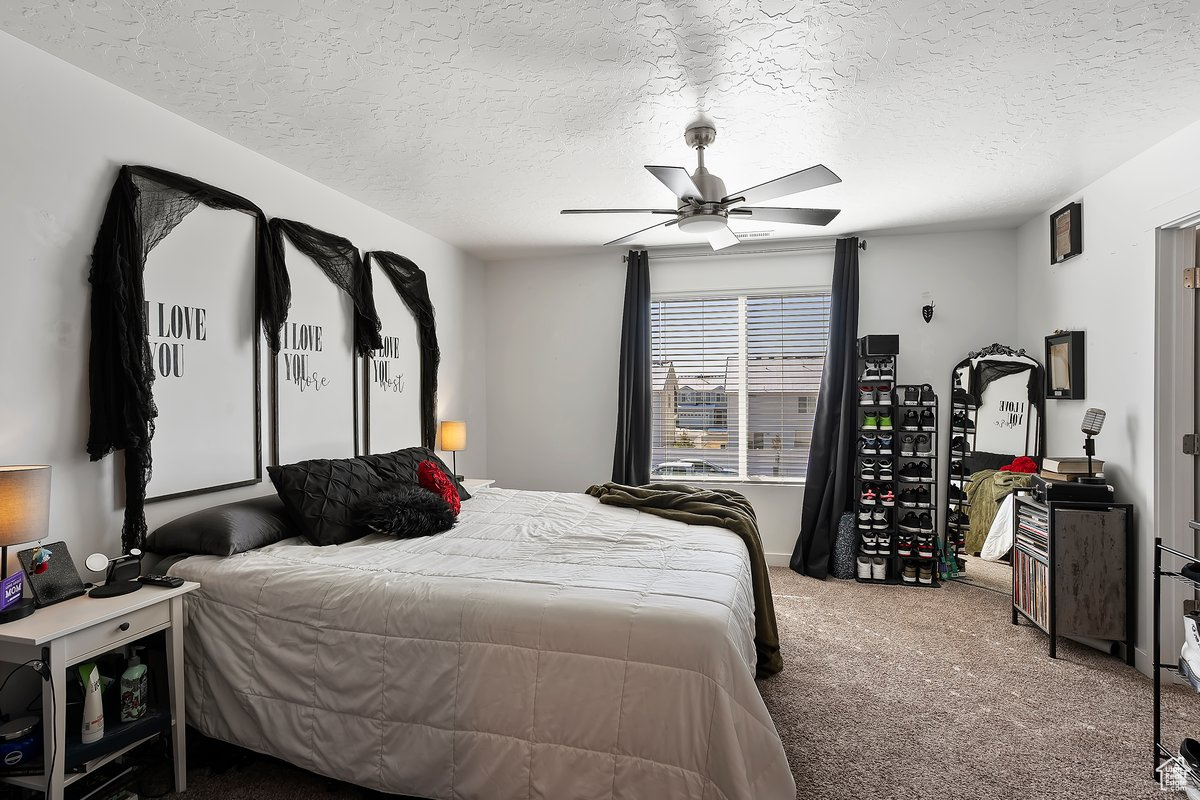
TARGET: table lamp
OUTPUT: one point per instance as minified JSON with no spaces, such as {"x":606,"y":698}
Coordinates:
{"x":24,"y":517}
{"x":453,"y":434}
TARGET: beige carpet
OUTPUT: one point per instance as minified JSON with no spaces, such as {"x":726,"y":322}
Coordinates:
{"x":894,"y":692}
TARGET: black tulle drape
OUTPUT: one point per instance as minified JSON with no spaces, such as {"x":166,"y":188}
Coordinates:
{"x":338,"y":258}
{"x":144,"y":206}
{"x":829,"y":482}
{"x":631,"y":454}
{"x":409,"y":282}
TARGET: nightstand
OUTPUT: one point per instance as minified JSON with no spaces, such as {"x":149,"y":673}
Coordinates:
{"x":472,"y":484}
{"x":78,"y":630}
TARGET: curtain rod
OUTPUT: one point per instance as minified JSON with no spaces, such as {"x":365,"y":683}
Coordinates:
{"x":862,"y":245}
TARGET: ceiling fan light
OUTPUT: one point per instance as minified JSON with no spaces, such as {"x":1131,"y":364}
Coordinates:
{"x":702,"y":225}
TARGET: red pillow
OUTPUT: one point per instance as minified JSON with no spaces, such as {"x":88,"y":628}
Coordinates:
{"x":431,"y":477}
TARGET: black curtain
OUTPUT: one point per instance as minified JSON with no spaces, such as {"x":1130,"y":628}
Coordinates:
{"x":631,"y":457}
{"x":145,"y":205}
{"x":338,"y":258}
{"x":829,"y":485}
{"x":409,"y":282}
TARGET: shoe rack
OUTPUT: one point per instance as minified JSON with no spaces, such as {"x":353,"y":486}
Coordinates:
{"x":917,"y":545}
{"x":875,"y":471}
{"x":961,"y":445}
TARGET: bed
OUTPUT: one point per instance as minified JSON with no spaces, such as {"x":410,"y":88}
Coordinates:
{"x":547,"y":646}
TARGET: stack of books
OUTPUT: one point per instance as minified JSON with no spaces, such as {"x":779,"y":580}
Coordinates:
{"x":1069,"y":469}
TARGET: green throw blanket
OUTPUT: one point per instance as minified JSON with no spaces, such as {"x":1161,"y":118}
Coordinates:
{"x":985,"y":491}
{"x":720,"y":508}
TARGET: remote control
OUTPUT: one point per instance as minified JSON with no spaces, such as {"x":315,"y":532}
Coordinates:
{"x":161,"y":580}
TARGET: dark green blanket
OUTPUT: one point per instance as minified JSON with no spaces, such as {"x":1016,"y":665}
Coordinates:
{"x":720,"y":508}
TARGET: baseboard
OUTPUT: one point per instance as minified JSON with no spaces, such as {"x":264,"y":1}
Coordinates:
{"x":778,"y":559}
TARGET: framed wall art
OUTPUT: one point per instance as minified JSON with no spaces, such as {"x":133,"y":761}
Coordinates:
{"x":202,"y":329}
{"x":1066,"y":233}
{"x":391,"y":382}
{"x":1065,"y":371}
{"x":314,"y":395}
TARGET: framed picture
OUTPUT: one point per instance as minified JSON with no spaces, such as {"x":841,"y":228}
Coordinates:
{"x":202,"y":328}
{"x":1065,"y":365}
{"x":391,"y":381}
{"x":314,"y":393}
{"x":1066,"y":233}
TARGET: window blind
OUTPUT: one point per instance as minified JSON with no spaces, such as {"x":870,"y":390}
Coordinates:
{"x":736,"y":381}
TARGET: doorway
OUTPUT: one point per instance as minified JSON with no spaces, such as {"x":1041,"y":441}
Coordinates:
{"x":1176,"y":480}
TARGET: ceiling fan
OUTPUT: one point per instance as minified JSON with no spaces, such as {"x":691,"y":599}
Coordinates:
{"x":705,"y":208}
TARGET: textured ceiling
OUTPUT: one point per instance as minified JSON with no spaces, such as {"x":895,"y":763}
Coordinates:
{"x":477,"y":121}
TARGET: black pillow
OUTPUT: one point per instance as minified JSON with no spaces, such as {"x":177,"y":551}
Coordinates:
{"x":320,"y":495}
{"x":400,"y":466}
{"x":224,"y":530}
{"x":404,"y":511}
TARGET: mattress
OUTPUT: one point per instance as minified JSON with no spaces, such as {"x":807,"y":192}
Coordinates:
{"x":545,"y":647}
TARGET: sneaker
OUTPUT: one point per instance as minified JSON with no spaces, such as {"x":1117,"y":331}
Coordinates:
{"x":957,"y":468}
{"x":908,"y":498}
{"x":960,"y":421}
{"x":959,"y":445}
{"x":870,"y":421}
{"x":928,"y":420}
{"x":912,"y":395}
{"x":924,"y":445}
{"x":925,"y":575}
{"x":957,"y":519}
{"x":910,"y":523}
{"x":962,"y":399}
{"x":908,"y":446}
{"x":910,"y":473}
{"x":879,"y":520}
{"x":923,"y":499}
{"x":928,"y":398}
{"x":904,"y":544}
{"x":867,"y":469}
{"x":925,"y":545}
{"x":925,"y":521}
{"x":912,"y":421}
{"x":864,"y":568}
{"x":868,"y":496}
{"x":955,"y":494}
{"x":868,"y":544}
{"x":924,"y":472}
{"x":885,"y":444}
{"x":866,"y":396}
{"x":888,"y":499}
{"x":868,"y":445}
{"x":870,"y":371}
{"x":887,"y":371}
{"x":909,"y":575}
{"x":883,"y":470}
{"x":878,"y":569}
{"x":885,"y":421}
{"x":883,"y":543}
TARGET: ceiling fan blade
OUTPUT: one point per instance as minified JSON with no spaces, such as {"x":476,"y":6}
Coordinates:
{"x":677,"y":180}
{"x":793,"y":216}
{"x":619,"y":211}
{"x":802,"y":181}
{"x":633,"y":236}
{"x":720,"y":239}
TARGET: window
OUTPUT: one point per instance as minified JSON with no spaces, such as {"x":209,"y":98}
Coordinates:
{"x":735,"y":386}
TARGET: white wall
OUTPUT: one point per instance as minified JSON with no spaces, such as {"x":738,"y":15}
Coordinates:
{"x":554,"y":331}
{"x":63,"y":135}
{"x":1109,"y":292}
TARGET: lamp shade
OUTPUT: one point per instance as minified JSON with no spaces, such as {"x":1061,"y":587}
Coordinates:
{"x":24,"y":504}
{"x":453,"y":434}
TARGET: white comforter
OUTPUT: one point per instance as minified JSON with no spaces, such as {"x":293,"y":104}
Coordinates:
{"x":546,"y":647}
